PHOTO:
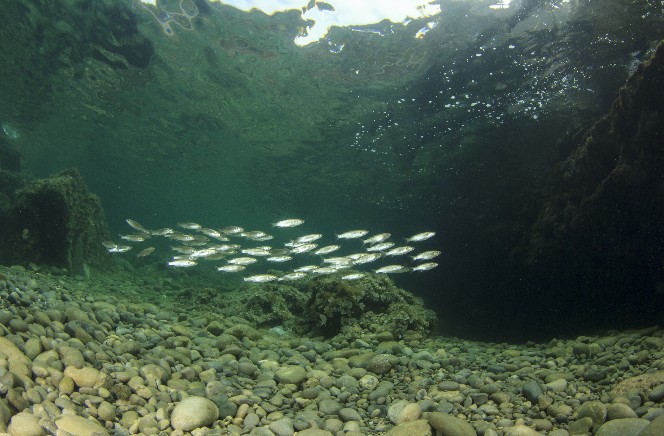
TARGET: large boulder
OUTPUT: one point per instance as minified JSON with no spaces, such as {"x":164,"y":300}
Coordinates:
{"x":57,"y":221}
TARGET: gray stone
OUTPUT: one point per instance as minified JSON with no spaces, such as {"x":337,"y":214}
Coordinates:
{"x":655,"y":395}
{"x":79,"y":426}
{"x":25,"y":424}
{"x":654,"y":428}
{"x":329,"y":407}
{"x":419,"y":427}
{"x":623,"y":427}
{"x":449,"y":385}
{"x":282,"y":427}
{"x":619,"y":411}
{"x":347,"y":414}
{"x":194,"y":412}
{"x":531,"y":390}
{"x":450,"y":425}
{"x":290,"y":375}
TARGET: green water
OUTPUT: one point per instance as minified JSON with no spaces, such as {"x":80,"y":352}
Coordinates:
{"x":230,"y":123}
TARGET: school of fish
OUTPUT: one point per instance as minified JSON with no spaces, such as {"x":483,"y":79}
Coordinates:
{"x":195,"y":243}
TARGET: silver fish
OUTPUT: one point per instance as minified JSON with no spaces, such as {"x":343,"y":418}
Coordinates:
{"x":399,"y":251}
{"x":136,"y":237}
{"x":293,"y":222}
{"x":392,"y":269}
{"x":279,"y":258}
{"x":109,"y":244}
{"x":303,"y":248}
{"x":306,"y":268}
{"x":242,"y":261}
{"x":136,"y":225}
{"x":162,"y":232}
{"x":352,"y":234}
{"x":232,"y":230}
{"x":184,"y":249}
{"x":279,"y":252}
{"x":184,"y":263}
{"x":426,"y":255}
{"x":210,"y":232}
{"x":353,"y":276}
{"x":253,"y":234}
{"x":324,"y":270}
{"x":327,"y":249}
{"x":421,"y":237}
{"x":215,"y":256}
{"x":190,"y":226}
{"x":119,"y":249}
{"x":375,"y":239}
{"x":292,"y":276}
{"x":231,"y":268}
{"x":381,"y":246}
{"x":261,"y":278}
{"x":425,"y":266}
{"x":362,"y":258}
{"x":181,"y":237}
{"x":308,"y":238}
{"x":145,"y":252}
{"x":205,"y":252}
{"x":255,"y":252}
{"x":339,"y":261}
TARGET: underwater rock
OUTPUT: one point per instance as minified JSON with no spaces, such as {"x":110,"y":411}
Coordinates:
{"x":599,"y":227}
{"x":10,"y":177}
{"x":58,"y":222}
{"x":371,"y":304}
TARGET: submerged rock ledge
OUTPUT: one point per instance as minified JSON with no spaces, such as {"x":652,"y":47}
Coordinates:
{"x":110,"y":355}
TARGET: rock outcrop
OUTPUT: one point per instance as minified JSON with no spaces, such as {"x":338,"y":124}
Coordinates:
{"x":58,"y":222}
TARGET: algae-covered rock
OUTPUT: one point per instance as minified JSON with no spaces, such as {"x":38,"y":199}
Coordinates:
{"x":371,"y":304}
{"x":58,"y":222}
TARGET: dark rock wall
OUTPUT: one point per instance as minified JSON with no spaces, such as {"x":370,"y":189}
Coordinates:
{"x":56,"y":222}
{"x":599,"y":235}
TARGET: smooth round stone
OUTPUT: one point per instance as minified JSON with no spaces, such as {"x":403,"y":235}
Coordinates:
{"x":619,"y":411}
{"x":558,"y":385}
{"x":106,"y":411}
{"x":448,"y":385}
{"x":448,"y":424}
{"x":290,"y":375}
{"x":419,"y":427}
{"x":521,"y":430}
{"x":655,"y":428}
{"x":531,"y":390}
{"x":622,"y":427}
{"x":79,"y":426}
{"x":86,"y":377}
{"x":282,"y":427}
{"x":329,"y":407}
{"x":32,"y":348}
{"x":25,"y":424}
{"x":18,"y":325}
{"x":595,"y":410}
{"x":655,"y":395}
{"x":402,"y":411}
{"x":347,"y":414}
{"x":333,"y":424}
{"x":194,"y":412}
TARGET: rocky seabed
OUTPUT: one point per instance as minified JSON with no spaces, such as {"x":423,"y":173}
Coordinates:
{"x":106,"y":356}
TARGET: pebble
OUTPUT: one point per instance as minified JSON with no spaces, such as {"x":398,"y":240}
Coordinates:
{"x":623,"y":427}
{"x":418,"y":427}
{"x":141,"y":368}
{"x":290,"y":375}
{"x":79,"y":426}
{"x":194,"y":412}
{"x":448,"y":424}
{"x":25,"y":424}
